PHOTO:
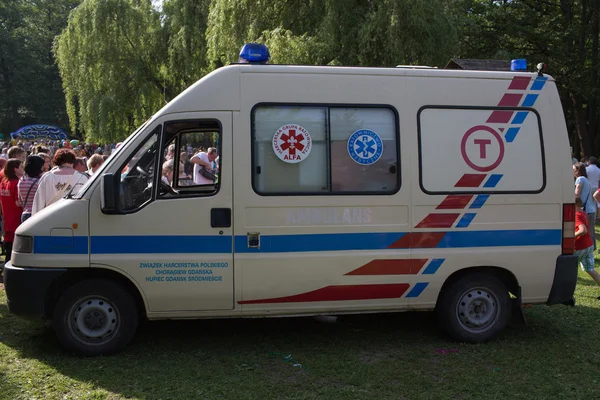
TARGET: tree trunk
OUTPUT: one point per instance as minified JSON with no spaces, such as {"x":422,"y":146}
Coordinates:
{"x":581,"y":124}
{"x":15,"y":122}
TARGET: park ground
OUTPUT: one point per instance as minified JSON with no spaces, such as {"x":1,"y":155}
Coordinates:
{"x":390,"y":356}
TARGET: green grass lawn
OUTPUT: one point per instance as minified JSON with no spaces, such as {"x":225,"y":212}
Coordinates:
{"x":393,"y":356}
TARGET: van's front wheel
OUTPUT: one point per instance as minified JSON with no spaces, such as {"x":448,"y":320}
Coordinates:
{"x":95,"y":317}
{"x":474,"y":308}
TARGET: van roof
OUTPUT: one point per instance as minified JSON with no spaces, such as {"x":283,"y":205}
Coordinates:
{"x":219,"y":90}
{"x":404,"y":70}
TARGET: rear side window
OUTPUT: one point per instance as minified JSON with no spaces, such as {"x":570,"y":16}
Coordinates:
{"x":308,"y":150}
{"x":480,"y":150}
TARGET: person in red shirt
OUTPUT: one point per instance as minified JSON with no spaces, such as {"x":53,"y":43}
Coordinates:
{"x":584,"y":247}
{"x":9,"y":198}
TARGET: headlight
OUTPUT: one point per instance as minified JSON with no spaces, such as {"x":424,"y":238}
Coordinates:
{"x":23,"y":244}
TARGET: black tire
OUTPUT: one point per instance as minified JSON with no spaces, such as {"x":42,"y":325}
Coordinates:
{"x":95,"y":317}
{"x":474,"y":308}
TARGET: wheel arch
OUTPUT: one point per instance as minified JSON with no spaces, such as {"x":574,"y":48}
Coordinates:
{"x":505,"y":276}
{"x":76,"y":275}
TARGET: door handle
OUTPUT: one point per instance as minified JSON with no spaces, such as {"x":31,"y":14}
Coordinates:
{"x":220,"y":217}
{"x":254,"y":240}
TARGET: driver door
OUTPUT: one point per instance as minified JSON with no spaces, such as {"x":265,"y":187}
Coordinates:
{"x":171,"y":237}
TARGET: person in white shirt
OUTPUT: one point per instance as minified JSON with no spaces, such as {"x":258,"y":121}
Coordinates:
{"x":593,"y":175}
{"x":58,"y":182}
{"x":203,"y":161}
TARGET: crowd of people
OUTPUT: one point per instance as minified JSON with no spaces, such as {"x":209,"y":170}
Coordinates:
{"x":587,"y":199}
{"x":200,"y":167}
{"x":34,"y":176}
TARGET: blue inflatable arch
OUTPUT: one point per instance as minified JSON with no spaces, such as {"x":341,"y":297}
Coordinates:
{"x":33,"y":132}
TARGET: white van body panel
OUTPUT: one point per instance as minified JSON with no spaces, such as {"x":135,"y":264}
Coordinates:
{"x":334,"y":253}
{"x":166,"y":233}
{"x":62,"y":236}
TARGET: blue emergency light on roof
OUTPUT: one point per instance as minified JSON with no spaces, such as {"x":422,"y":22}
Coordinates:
{"x":518,"y":64}
{"x":254,"y":53}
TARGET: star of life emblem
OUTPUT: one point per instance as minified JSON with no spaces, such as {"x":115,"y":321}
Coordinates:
{"x":365,"y":147}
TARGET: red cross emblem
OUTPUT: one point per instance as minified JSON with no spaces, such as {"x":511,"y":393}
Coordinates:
{"x":292,"y":143}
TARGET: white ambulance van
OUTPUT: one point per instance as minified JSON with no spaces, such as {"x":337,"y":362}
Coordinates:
{"x":314,"y":190}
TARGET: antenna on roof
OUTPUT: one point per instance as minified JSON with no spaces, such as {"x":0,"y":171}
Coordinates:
{"x":541,"y":67}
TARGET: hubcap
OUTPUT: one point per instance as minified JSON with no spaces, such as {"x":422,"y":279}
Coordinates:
{"x":93,"y":320}
{"x":478,"y":310}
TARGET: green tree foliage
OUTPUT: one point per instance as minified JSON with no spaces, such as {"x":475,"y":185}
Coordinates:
{"x":121,"y":60}
{"x":12,"y":62}
{"x":185,"y":34}
{"x":30,"y":87}
{"x":111,"y":61}
{"x":288,"y":25}
{"x":338,"y":32}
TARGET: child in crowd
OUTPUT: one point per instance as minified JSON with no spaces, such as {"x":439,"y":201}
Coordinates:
{"x":584,"y":248}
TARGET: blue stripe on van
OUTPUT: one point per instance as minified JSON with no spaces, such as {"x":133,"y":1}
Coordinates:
{"x":289,"y":243}
{"x":466,"y":219}
{"x":479,"y":200}
{"x":60,"y":245}
{"x":319,"y":242}
{"x":433,"y":266}
{"x":537,"y":237}
{"x":529,"y":100}
{"x":539,"y":82}
{"x":520,"y":117}
{"x":161,"y":244}
{"x":492,"y":180}
{"x":511,"y":134}
{"x":417,"y":289}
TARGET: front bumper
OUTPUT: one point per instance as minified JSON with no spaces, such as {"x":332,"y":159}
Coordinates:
{"x":565,"y":280}
{"x":27,"y":289}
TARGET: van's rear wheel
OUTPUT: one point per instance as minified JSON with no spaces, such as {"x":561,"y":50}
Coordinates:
{"x":95,"y":317}
{"x":474,"y":308}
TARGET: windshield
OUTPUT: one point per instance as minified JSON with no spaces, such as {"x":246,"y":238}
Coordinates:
{"x":106,"y":163}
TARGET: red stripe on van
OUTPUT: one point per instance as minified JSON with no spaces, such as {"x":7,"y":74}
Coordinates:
{"x":441,"y":220}
{"x":470,"y":180}
{"x":510,"y":100}
{"x":454,"y":202}
{"x":418,"y":240}
{"x":390,"y":267}
{"x":519,"y":83}
{"x":341,"y":293}
{"x":500,"y":117}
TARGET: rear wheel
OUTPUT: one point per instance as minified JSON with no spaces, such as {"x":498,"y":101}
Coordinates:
{"x":95,"y":317}
{"x":474,"y":308}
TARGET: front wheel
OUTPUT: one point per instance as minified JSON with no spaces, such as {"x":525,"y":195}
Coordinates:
{"x":95,"y":317}
{"x":474,"y":308}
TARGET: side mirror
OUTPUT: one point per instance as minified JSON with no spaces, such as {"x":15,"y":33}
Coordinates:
{"x":108,"y":194}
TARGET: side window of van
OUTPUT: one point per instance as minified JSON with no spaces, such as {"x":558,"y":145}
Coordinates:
{"x":308,"y":150}
{"x":480,"y":150}
{"x":138,"y":174}
{"x":190,"y":162}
